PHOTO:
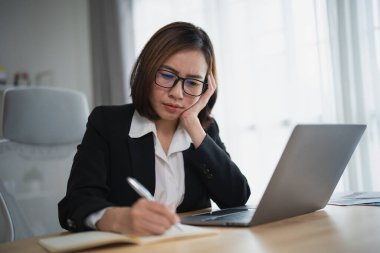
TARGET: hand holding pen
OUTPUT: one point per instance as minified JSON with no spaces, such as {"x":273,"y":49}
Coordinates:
{"x":143,"y":192}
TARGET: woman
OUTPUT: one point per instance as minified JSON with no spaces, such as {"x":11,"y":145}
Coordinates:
{"x":166,"y":139}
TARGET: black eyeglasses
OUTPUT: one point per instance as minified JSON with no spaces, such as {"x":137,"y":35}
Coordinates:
{"x":190,"y":86}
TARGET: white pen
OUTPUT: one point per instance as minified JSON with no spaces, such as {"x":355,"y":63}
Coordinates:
{"x":143,"y":192}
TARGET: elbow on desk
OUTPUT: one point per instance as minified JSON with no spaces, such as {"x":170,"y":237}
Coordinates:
{"x":236,"y":198}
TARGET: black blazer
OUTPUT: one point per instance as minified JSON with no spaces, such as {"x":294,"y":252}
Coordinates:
{"x":107,"y":156}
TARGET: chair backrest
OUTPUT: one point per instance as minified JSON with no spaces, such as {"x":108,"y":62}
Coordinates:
{"x":41,"y":129}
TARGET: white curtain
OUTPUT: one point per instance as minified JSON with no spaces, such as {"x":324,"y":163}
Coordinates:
{"x":355,"y":29}
{"x":284,"y":62}
{"x":112,"y":49}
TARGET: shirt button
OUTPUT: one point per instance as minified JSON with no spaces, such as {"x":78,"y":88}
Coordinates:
{"x":70,"y":223}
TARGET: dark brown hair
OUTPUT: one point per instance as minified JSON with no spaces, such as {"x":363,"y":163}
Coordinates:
{"x":167,"y":41}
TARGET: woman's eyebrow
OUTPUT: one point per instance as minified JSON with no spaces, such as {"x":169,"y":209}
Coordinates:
{"x":176,"y":72}
{"x":170,"y":68}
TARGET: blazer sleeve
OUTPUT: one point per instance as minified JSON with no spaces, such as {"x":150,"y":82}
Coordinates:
{"x":226,"y":185}
{"x":87,"y":189}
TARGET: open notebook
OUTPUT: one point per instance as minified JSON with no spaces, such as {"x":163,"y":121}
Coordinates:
{"x":85,"y":240}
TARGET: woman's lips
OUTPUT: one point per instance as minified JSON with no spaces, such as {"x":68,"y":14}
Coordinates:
{"x":172,"y":108}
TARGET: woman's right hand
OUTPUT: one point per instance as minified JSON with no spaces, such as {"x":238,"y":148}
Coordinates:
{"x":143,"y":218}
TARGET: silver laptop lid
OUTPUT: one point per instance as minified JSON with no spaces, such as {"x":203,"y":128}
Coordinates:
{"x":308,"y":171}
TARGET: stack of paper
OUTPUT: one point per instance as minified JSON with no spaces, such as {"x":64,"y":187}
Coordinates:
{"x":356,"y":198}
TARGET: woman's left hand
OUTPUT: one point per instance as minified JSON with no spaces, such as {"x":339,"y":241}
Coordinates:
{"x":203,"y":100}
{"x":189,"y":118}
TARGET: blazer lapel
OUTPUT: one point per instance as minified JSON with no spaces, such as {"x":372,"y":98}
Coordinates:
{"x":142,"y":160}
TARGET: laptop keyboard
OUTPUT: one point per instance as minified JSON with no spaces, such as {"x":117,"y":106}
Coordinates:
{"x":231,"y":215}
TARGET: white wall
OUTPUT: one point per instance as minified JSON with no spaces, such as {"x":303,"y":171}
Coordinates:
{"x":50,"y":40}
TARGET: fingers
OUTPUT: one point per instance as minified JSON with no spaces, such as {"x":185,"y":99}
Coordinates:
{"x":212,"y":85}
{"x":212,"y":82}
{"x":210,"y":90}
{"x":149,"y":218}
{"x":143,"y":218}
{"x":198,"y":106}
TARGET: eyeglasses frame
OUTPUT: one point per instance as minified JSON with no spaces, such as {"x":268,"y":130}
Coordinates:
{"x":178,"y":78}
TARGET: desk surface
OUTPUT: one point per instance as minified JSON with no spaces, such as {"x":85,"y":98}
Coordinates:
{"x":333,"y":229}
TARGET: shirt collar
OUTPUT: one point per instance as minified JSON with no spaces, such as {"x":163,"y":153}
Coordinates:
{"x":181,"y":140}
{"x":141,"y":126}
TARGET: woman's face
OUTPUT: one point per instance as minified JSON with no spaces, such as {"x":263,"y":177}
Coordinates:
{"x":169,"y":103}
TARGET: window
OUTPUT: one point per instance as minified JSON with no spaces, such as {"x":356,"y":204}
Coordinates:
{"x":279,"y":64}
{"x":354,"y":29}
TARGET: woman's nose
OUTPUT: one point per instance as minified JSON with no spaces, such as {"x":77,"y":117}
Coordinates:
{"x":177,"y":90}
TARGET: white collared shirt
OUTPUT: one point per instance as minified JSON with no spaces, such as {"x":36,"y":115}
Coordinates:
{"x":170,"y":174}
{"x":169,"y":168}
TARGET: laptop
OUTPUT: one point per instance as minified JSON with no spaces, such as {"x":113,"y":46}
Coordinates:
{"x":305,"y":177}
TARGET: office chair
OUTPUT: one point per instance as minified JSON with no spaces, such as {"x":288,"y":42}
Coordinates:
{"x":7,"y":232}
{"x":41,"y":129}
{"x":11,"y":223}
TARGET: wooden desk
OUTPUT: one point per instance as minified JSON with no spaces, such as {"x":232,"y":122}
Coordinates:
{"x":333,"y":229}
